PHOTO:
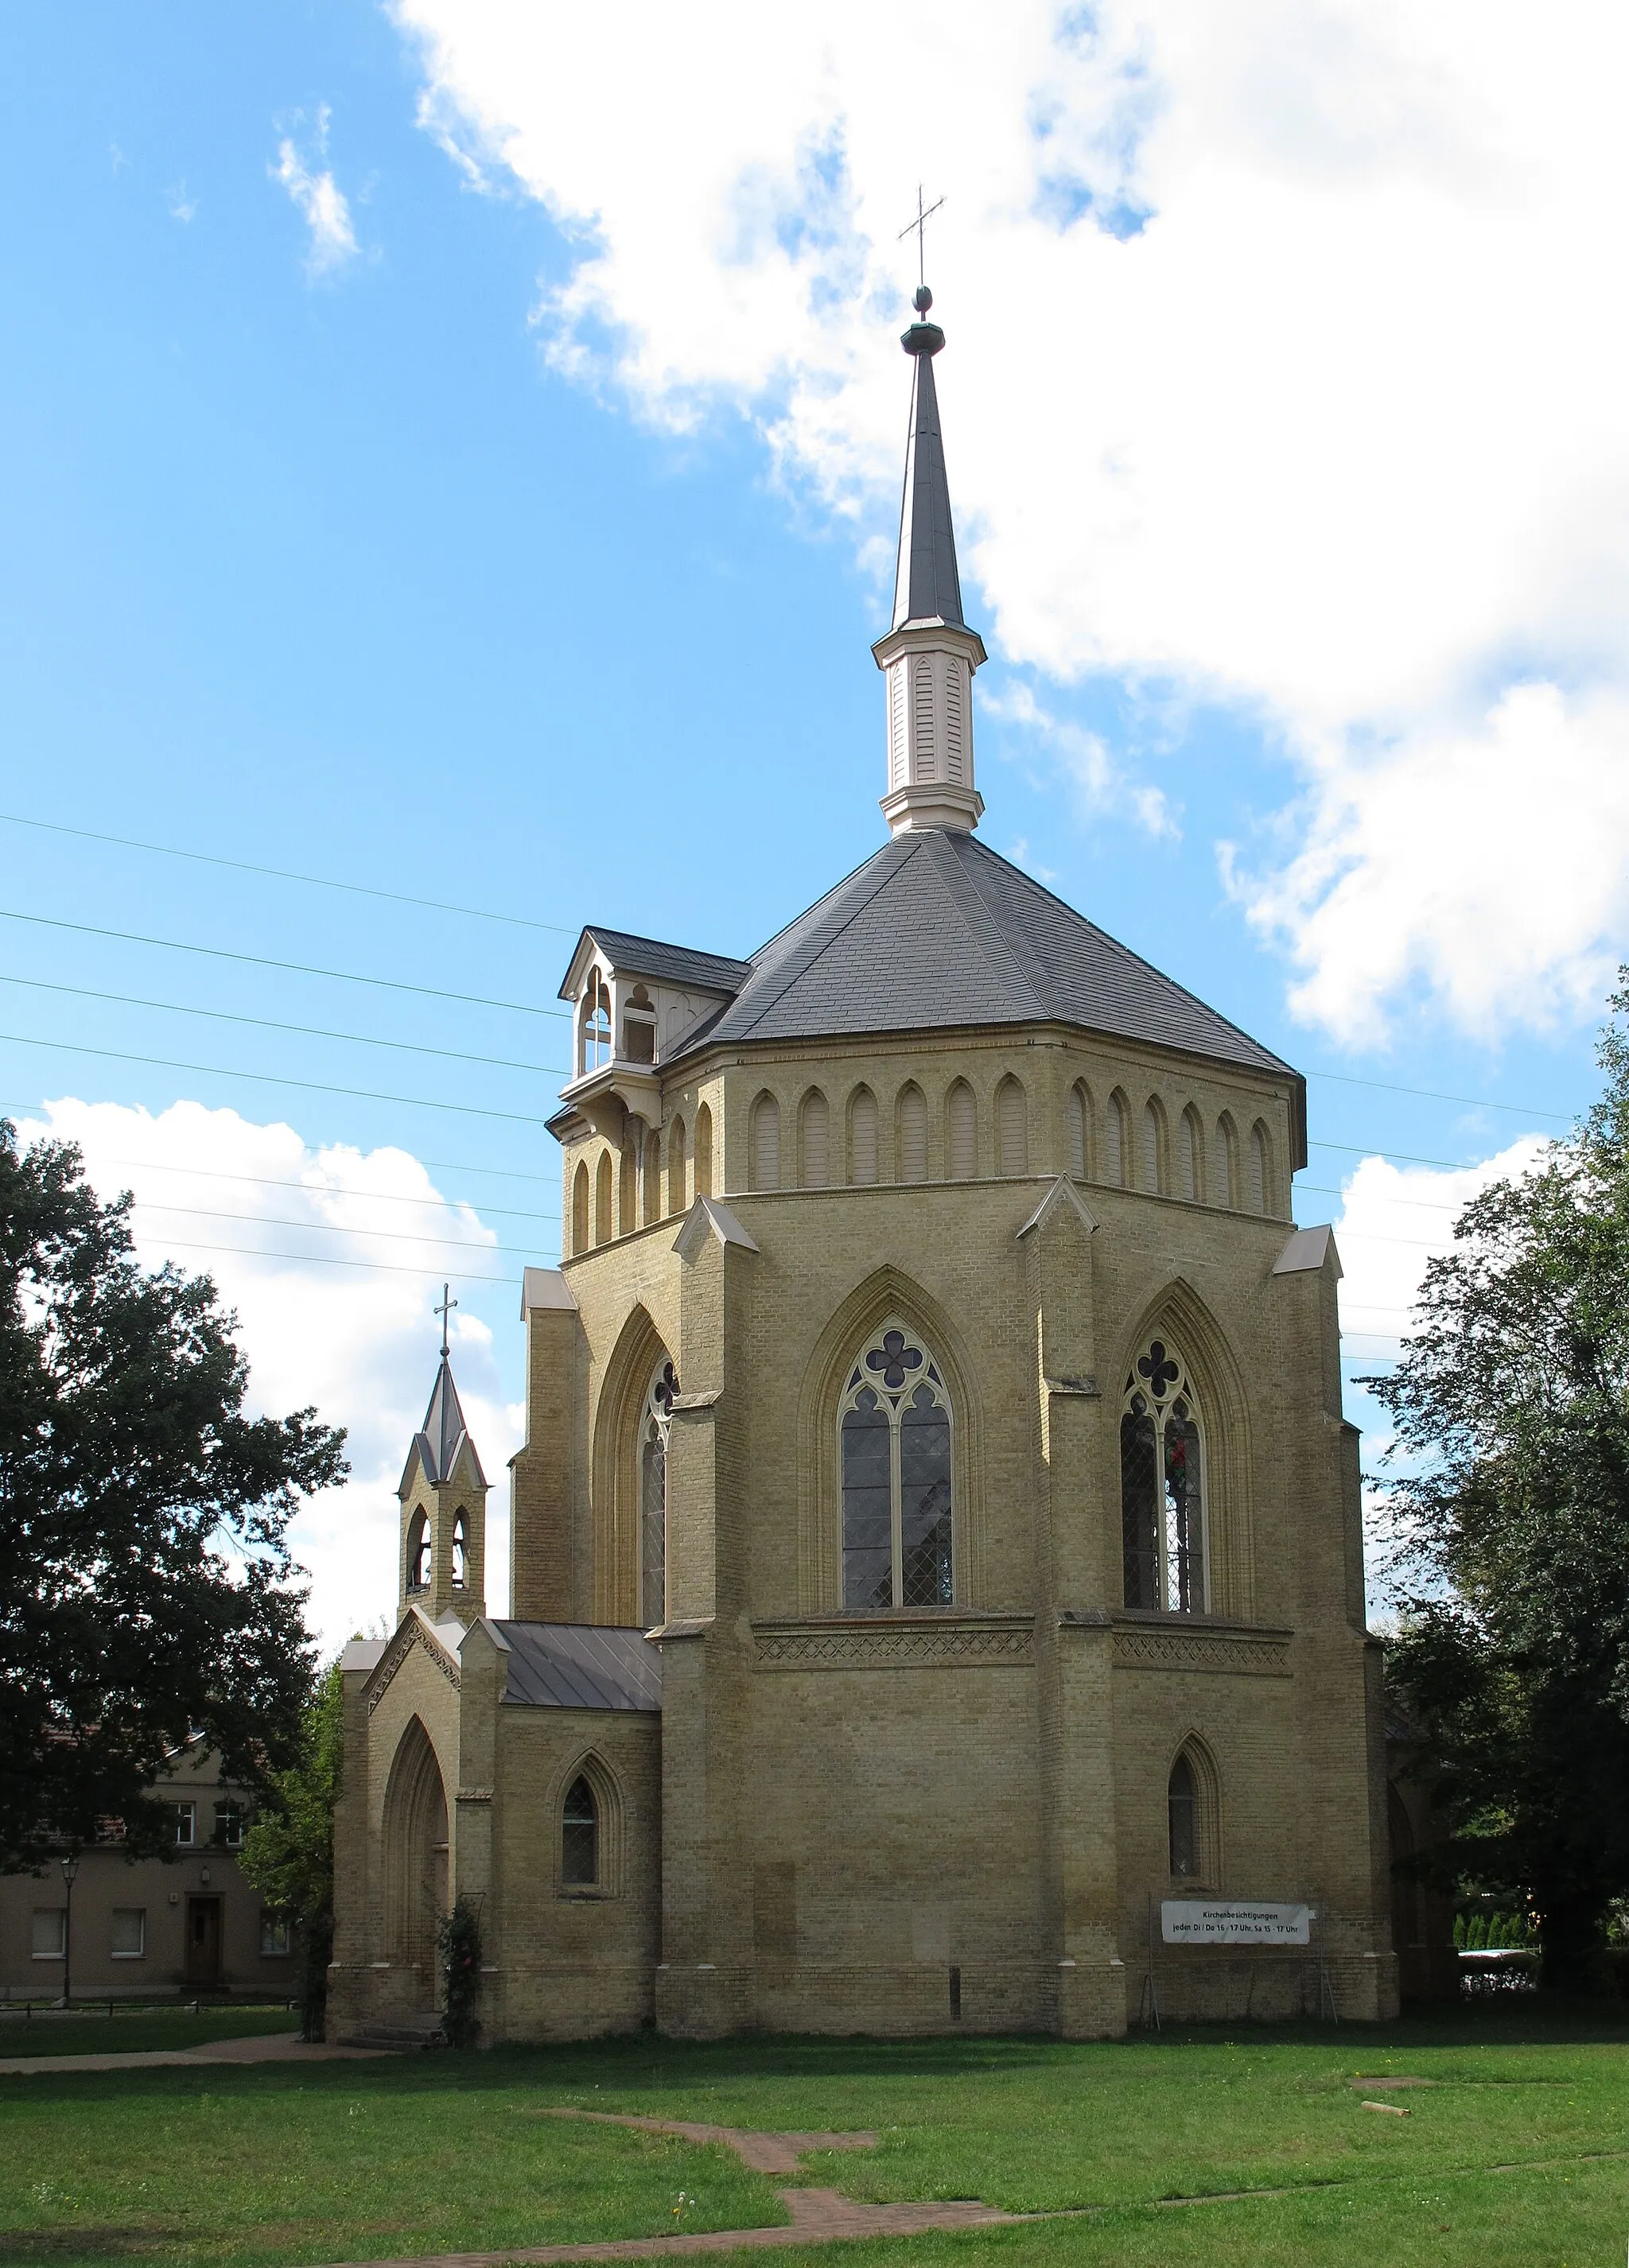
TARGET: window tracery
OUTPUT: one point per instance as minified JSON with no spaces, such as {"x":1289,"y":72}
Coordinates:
{"x":1162,"y":1490}
{"x":655,"y":1421}
{"x":894,"y":1460}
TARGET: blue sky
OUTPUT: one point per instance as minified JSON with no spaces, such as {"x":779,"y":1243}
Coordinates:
{"x":360,"y":555}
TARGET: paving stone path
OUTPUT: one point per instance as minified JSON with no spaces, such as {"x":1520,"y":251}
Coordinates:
{"x":257,"y":2047}
{"x":818,"y":2216}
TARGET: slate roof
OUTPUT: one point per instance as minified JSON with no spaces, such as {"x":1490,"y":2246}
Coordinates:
{"x":926,"y":585}
{"x":668,"y":964}
{"x":936,"y":930}
{"x":580,"y":1666}
{"x":438,"y":1440}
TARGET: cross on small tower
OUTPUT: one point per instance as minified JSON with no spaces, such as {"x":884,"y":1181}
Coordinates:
{"x":446,"y":1313}
{"x":924,"y":213}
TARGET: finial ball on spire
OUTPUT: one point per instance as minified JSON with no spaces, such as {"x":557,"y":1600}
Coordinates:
{"x":923,"y":300}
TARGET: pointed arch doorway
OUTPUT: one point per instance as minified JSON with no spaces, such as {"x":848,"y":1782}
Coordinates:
{"x":414,"y":1852}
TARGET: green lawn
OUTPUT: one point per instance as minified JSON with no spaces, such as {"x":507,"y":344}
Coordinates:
{"x":1519,"y":2154}
{"x":136,"y":2030}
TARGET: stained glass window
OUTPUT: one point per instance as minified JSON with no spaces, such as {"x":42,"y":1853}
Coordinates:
{"x":895,"y":1444}
{"x":654,"y":1423}
{"x":1161,"y":1487}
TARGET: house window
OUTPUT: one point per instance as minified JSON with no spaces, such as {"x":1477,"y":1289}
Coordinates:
{"x":1182,"y":1815}
{"x":127,"y":1938}
{"x":49,"y":1937}
{"x":277,"y":1936}
{"x":1162,"y":1491}
{"x":895,"y":1457}
{"x":229,"y":1825}
{"x":579,"y":1838}
{"x":653,"y":1427}
{"x":187,"y":1824}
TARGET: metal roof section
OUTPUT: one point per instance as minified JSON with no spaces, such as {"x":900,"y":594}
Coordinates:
{"x":926,"y":585}
{"x":439,"y":1439}
{"x":580,"y":1666}
{"x":667,"y":964}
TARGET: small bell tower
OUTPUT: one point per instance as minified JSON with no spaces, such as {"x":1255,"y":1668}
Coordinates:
{"x":929,"y":656}
{"x":443,"y":1495}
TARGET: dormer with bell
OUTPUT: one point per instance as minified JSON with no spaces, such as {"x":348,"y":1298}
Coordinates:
{"x":443,"y":1495}
{"x":634,"y":1003}
{"x":929,"y":655}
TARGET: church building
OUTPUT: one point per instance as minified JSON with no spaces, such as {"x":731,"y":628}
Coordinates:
{"x":937,"y":1553}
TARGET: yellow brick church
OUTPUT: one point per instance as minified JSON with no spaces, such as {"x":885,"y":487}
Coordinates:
{"x":937,"y":1595}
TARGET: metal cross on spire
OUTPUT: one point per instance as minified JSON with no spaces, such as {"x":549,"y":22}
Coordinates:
{"x":924,"y":213}
{"x":446,"y":1313}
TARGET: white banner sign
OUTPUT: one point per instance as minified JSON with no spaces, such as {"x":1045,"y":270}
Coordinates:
{"x":1196,"y":1921}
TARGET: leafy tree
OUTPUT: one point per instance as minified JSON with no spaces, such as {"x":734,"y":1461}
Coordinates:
{"x":288,"y":1854}
{"x":1514,"y":1646}
{"x":146,"y":1587}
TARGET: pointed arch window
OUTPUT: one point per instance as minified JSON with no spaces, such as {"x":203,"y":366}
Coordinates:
{"x":460,"y":1552}
{"x":1161,"y":1487}
{"x":654,"y":1424}
{"x":1182,"y":1823}
{"x":421,"y":1553}
{"x":1260,"y":1170}
{"x":863,"y":1138}
{"x":580,"y":1208}
{"x":602,"y":1199}
{"x":704,"y":1151}
{"x":961,"y":1131}
{"x":1117,"y":1149}
{"x":894,"y":1458}
{"x":1013,"y":1127}
{"x":912,"y":1137}
{"x":814,"y":1142}
{"x":765,"y":1161}
{"x":1080,"y":1127}
{"x":677,"y":1199}
{"x":579,"y":1836}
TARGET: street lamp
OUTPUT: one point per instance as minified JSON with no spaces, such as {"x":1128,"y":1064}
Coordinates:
{"x":71,"y":1868}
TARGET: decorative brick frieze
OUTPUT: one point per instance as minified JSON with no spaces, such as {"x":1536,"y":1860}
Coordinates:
{"x":1230,"y":1654}
{"x":988,"y":1642}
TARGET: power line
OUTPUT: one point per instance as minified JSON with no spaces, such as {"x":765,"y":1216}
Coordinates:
{"x":327,"y":1260}
{"x":340,"y":1189}
{"x":283,"y":874}
{"x":333,"y":1229}
{"x":269,"y":1078}
{"x":266,"y":1024}
{"x":1435,"y":1094}
{"x":430,"y":1165}
{"x":1373,"y":1150}
{"x":294,"y":968}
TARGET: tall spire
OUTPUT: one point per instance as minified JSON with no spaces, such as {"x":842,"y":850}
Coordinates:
{"x":929,"y":655}
{"x":926,"y":587}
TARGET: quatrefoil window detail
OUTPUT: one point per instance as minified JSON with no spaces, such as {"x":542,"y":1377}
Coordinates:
{"x":1160,"y":1370}
{"x":893,"y":1359}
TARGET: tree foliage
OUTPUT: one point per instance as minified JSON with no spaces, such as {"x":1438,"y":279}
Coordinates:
{"x":146,"y":1587}
{"x":1513,"y":1392}
{"x":288,"y":1853}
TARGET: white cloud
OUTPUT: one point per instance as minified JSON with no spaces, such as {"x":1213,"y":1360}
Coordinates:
{"x":1285,"y":365}
{"x":358,"y":1342}
{"x":181,"y":207}
{"x":1392,"y":1219}
{"x":1486,"y":868}
{"x":316,"y":195}
{"x":1082,"y":759}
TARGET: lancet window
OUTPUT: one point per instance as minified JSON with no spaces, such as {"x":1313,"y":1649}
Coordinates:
{"x":460,"y":1553}
{"x":653,"y":1427}
{"x":420,"y":1553}
{"x":894,"y":1458}
{"x":579,"y":1836}
{"x":1181,"y":1804}
{"x":1162,"y":1486}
